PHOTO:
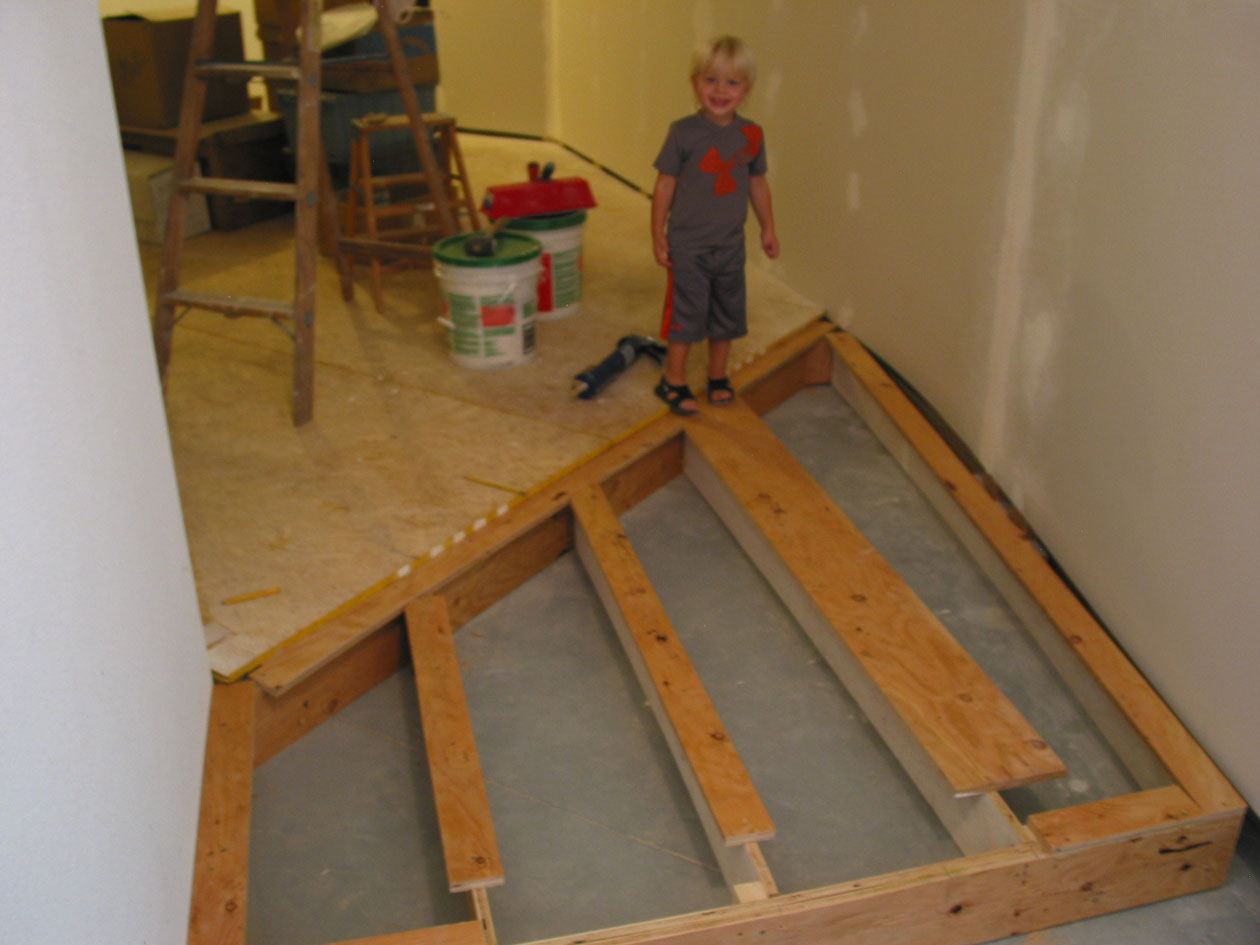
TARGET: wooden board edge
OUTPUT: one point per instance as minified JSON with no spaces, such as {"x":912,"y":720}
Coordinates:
{"x":1091,"y":644}
{"x":469,"y":845}
{"x":795,"y":361}
{"x":221,"y":864}
{"x":1113,"y":818}
{"x":434,"y":574}
{"x":978,"y":822}
{"x":727,"y":793}
{"x":970,"y":900}
{"x":457,"y":933}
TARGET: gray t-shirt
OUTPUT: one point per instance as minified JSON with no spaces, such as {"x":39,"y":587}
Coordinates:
{"x":712,"y":164}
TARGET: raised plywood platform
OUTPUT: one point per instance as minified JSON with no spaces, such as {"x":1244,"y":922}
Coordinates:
{"x":1163,"y":841}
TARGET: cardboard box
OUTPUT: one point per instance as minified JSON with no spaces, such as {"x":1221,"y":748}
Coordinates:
{"x":148,"y":57}
{"x":151,"y":180}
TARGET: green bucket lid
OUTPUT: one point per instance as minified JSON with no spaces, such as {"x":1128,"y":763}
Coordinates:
{"x":549,"y":221}
{"x":510,"y":249}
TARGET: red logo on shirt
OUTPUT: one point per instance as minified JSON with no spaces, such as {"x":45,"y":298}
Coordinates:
{"x":714,"y":163}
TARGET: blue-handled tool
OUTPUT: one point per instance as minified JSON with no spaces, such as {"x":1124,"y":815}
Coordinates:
{"x":594,"y":379}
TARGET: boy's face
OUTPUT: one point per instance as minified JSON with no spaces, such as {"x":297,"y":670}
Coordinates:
{"x":720,"y":90}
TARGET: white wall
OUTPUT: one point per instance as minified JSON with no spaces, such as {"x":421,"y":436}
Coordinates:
{"x":103,"y":679}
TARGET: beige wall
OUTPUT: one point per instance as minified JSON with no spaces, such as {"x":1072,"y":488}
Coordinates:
{"x":1042,"y":213}
{"x":493,"y":55}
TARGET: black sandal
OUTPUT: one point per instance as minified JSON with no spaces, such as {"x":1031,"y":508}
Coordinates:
{"x":674,"y":395}
{"x":719,"y":385}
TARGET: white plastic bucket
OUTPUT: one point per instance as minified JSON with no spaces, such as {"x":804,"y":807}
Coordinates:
{"x":489,"y":302}
{"x":560,"y":281}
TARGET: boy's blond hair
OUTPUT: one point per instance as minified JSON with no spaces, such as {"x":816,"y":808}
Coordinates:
{"x":728,"y":50}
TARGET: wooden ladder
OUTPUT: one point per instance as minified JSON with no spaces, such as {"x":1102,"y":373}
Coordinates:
{"x":311,"y":194}
{"x":413,"y":229}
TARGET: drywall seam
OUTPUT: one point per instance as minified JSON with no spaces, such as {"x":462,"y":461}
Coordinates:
{"x":1039,"y":29}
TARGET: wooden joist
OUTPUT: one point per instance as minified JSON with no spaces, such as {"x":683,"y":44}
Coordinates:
{"x":1116,"y":695}
{"x":977,"y":739}
{"x":221,"y":870}
{"x":474,"y":573}
{"x":1069,"y":864}
{"x":458,"y":933}
{"x":459,"y":792}
{"x":724,"y":794}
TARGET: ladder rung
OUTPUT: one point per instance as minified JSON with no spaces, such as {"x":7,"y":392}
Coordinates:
{"x":393,"y":180}
{"x":233,"y":306}
{"x":231,"y":187}
{"x":208,"y":68}
{"x":384,"y":249}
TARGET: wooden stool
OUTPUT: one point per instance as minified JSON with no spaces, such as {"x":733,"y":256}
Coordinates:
{"x":396,"y":211}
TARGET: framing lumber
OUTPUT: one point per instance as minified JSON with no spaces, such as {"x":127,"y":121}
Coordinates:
{"x":968,"y":900}
{"x":221,"y":869}
{"x":831,"y":576}
{"x":458,"y":933}
{"x":1064,"y":865}
{"x":1077,"y":645}
{"x":474,"y":574}
{"x":459,"y":792}
{"x":1112,"y":817}
{"x":726,"y":800}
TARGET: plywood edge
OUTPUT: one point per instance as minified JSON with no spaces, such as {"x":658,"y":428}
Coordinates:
{"x":458,"y":933}
{"x":1090,"y":643}
{"x":1113,"y":818}
{"x":977,"y":738}
{"x":478,"y":549}
{"x":459,"y":791}
{"x":335,"y":633}
{"x":800,"y":359}
{"x":667,"y":672}
{"x":221,"y":867}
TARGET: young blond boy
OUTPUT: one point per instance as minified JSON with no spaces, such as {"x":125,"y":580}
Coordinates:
{"x":711,"y":167}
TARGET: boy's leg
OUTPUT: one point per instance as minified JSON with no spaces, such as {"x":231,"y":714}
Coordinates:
{"x":719,"y":355}
{"x":675,"y":372}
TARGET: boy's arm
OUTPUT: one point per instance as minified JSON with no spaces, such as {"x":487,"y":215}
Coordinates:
{"x":759,"y":196}
{"x":662,"y":199}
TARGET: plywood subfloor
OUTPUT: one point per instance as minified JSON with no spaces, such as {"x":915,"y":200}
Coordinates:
{"x":407,"y":450}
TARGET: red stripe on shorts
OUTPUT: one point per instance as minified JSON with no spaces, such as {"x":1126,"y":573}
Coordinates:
{"x":667,"y":316}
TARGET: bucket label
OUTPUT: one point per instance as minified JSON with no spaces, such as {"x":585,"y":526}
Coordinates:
{"x":566,"y":277}
{"x":498,"y":315}
{"x":545,"y":301}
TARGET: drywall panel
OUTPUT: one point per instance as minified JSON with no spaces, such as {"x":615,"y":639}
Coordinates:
{"x":104,"y":681}
{"x":1121,"y":381}
{"x":493,"y":59}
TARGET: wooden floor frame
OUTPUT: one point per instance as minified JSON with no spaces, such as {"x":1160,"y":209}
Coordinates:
{"x":1175,"y":835}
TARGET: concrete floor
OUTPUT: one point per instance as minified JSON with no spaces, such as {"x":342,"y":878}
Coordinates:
{"x":593,"y":822}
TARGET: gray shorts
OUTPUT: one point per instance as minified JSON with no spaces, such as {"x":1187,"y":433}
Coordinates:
{"x":706,"y":296}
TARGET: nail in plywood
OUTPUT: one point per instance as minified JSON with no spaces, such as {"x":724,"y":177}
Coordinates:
{"x":221,"y":871}
{"x":459,"y":793}
{"x":1078,"y":646}
{"x":976,"y":738}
